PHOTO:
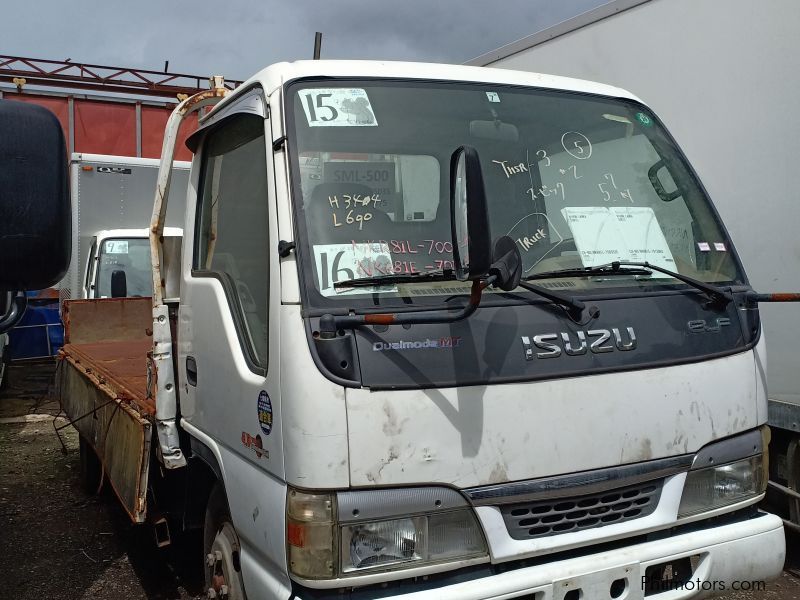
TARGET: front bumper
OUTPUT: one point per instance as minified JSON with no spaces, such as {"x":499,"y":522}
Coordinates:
{"x":743,"y":551}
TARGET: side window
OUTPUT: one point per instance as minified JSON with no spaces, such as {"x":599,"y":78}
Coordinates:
{"x":232,"y":230}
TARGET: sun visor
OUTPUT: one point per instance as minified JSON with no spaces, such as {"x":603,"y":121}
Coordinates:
{"x":251,"y":103}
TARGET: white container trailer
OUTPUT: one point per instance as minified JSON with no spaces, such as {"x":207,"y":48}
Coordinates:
{"x":723,"y":76}
{"x":112,"y":198}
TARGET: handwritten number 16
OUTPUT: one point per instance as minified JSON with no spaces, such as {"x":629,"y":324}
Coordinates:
{"x":312,"y":111}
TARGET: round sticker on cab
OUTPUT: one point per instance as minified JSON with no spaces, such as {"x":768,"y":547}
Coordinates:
{"x":264,"y":412}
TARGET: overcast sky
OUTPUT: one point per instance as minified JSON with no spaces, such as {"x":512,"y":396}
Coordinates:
{"x":238,"y":37}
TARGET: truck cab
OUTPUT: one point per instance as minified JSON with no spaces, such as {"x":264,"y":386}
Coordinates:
{"x":526,"y":432}
{"x":448,"y":332}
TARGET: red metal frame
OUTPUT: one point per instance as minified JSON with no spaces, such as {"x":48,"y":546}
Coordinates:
{"x":141,"y":82}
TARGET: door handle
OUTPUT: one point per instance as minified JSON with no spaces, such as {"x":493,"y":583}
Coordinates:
{"x":191,"y":371}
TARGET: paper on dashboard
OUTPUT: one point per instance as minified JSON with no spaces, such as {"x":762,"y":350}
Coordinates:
{"x":603,"y":235}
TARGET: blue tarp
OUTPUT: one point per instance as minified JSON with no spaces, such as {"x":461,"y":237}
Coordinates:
{"x":40,"y":331}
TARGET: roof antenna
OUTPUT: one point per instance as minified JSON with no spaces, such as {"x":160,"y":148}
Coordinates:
{"x":166,"y":66}
{"x":317,"y":44}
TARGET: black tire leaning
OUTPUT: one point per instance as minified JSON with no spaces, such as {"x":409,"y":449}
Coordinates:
{"x":91,"y":469}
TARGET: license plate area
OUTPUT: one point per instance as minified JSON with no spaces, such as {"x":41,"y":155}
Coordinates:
{"x":618,"y":583}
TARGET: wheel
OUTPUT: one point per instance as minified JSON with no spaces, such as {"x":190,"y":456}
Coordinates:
{"x":91,"y":469}
{"x":221,"y":549}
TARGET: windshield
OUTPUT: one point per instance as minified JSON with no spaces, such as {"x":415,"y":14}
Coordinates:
{"x":576,"y":181}
{"x":131,"y":255}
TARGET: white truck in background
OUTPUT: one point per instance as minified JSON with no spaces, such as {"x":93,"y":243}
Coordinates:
{"x":112,"y":198}
{"x":447,"y":333}
{"x":722,"y":76}
{"x":125,"y":251}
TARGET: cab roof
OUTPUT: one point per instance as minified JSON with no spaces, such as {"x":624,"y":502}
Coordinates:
{"x":278,"y":74}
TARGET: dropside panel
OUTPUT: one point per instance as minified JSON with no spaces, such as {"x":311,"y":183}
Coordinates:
{"x":118,"y":433}
{"x":102,"y":384}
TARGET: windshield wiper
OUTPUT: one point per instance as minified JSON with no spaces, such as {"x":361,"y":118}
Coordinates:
{"x":610,"y":269}
{"x":438,"y":275}
{"x":574,"y":307}
{"x":717,"y":296}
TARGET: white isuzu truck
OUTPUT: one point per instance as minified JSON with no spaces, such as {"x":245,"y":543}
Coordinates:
{"x":442,"y":332}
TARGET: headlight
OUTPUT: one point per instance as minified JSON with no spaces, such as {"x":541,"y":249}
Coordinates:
{"x":410,"y":542}
{"x":714,"y":487}
{"x":354,"y":533}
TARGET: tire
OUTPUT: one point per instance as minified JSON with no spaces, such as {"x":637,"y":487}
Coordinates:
{"x":91,"y":469}
{"x":5,"y":371}
{"x":221,"y":549}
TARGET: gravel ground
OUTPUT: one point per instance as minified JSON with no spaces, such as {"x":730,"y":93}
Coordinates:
{"x":66,"y":543}
{"x":60,"y":542}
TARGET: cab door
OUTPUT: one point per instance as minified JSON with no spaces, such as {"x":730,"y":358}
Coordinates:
{"x":228,"y":330}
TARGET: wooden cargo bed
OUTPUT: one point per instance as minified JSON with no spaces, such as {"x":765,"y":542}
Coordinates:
{"x":120,"y":365}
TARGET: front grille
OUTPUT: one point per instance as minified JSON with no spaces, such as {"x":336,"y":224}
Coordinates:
{"x":541,"y":518}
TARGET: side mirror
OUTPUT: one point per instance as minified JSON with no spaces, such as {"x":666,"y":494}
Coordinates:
{"x":35,"y":219}
{"x":119,"y":284}
{"x":469,"y":216}
{"x":506,"y":263}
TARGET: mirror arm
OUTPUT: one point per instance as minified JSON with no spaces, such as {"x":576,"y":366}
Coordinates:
{"x":329,"y":324}
{"x":573,"y":306}
{"x":18,"y":301}
{"x":753,"y":298}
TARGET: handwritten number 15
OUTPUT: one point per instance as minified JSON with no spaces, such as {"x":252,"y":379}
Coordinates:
{"x":312,"y":110}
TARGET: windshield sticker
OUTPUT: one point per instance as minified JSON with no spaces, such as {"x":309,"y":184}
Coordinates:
{"x":719,"y":247}
{"x":264,"y":412}
{"x":342,"y":262}
{"x":704,"y":246}
{"x":338,"y":107}
{"x":603,"y":235}
{"x":644,"y":119}
{"x":493,"y":96}
{"x":117,"y":247}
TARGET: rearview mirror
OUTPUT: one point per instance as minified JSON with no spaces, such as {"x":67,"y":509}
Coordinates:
{"x":469,"y":216}
{"x":35,"y":220}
